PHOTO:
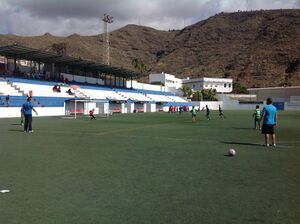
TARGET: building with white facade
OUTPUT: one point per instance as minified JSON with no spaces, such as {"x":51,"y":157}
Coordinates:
{"x":167,"y":80}
{"x":221,"y":85}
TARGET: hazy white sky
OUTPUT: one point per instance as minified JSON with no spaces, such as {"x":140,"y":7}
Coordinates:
{"x":65,"y":17}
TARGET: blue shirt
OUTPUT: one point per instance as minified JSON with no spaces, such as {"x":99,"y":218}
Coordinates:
{"x":27,"y":108}
{"x":269,"y":113}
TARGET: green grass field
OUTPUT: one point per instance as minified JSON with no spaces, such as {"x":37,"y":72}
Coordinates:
{"x":149,"y":168}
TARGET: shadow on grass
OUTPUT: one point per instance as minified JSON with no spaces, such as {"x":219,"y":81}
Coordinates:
{"x":16,"y":130}
{"x":228,"y":155}
{"x":242,"y":143}
{"x":243,"y":128}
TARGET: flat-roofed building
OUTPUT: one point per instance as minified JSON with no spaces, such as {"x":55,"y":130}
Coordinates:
{"x":221,"y":85}
{"x":167,"y":80}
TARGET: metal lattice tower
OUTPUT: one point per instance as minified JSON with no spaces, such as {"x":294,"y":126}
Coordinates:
{"x":107,"y":19}
{"x":247,"y":5}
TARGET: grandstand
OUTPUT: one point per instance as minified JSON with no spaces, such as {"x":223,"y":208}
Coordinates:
{"x":94,"y":82}
{"x":121,"y":100}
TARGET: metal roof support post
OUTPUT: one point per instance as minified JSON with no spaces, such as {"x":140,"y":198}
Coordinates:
{"x":115,"y":84}
{"x":131,"y":81}
{"x":6,"y":66}
{"x":39,"y":67}
{"x":15,"y":63}
{"x":53,"y":71}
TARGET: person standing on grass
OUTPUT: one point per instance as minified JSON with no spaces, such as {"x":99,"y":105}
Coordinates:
{"x":270,"y":119}
{"x":257,"y":117}
{"x":194,"y":112}
{"x":207,"y":113}
{"x":27,"y":111}
{"x":91,"y":112}
{"x":180,"y":110}
{"x":221,"y":114}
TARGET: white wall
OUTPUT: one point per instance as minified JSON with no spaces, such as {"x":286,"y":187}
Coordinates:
{"x":139,"y":85}
{"x":91,"y":80}
{"x":6,"y":112}
{"x":130,"y":107}
{"x":210,"y":83}
{"x":82,"y":79}
{"x":167,"y":79}
{"x":212,"y":105}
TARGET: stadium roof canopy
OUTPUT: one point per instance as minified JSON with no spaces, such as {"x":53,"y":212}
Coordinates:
{"x":27,"y":53}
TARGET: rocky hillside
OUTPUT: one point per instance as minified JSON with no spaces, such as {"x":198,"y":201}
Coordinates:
{"x":256,"y":49}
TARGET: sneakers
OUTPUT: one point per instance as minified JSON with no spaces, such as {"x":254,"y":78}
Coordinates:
{"x":30,"y":131}
{"x":268,"y":145}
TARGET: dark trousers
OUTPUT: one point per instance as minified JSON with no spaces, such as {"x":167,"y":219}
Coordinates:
{"x":28,"y":123}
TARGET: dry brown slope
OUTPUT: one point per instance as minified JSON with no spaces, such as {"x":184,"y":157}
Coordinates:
{"x":127,"y":43}
{"x":259,"y":48}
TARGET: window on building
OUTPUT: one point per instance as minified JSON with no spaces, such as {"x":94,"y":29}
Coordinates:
{"x":229,"y":85}
{"x":194,"y":85}
{"x":225,"y":85}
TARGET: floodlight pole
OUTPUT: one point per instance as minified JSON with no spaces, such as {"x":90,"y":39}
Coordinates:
{"x":106,"y":57}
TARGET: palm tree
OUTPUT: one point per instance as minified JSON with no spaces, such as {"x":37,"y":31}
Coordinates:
{"x":209,"y":95}
{"x":186,"y":90}
{"x":139,"y":65}
{"x":197,"y":96}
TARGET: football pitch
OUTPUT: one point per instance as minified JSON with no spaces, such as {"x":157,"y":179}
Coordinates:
{"x":149,"y":168}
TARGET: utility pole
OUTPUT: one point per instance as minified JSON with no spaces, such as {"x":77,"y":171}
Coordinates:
{"x":107,"y":19}
{"x":247,"y":5}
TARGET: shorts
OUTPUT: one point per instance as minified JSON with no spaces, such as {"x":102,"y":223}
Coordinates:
{"x":268,"y":129}
{"x":193,"y":115}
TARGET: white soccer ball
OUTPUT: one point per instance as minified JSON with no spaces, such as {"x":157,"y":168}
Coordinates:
{"x":231,"y":152}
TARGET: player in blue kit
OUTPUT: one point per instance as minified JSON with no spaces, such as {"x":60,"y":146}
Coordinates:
{"x":27,"y":109}
{"x":270,"y":119}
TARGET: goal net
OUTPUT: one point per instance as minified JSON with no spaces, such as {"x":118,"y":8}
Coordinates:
{"x":79,"y":108}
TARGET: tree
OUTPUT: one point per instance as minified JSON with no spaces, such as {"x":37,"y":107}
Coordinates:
{"x":186,"y":90}
{"x":209,"y":95}
{"x":197,"y":96}
{"x":239,"y":89}
{"x":139,"y":65}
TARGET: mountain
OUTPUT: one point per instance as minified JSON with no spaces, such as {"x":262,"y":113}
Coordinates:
{"x":256,"y":48}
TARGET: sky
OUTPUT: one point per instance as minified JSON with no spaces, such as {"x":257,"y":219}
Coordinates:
{"x":84,"y":17}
